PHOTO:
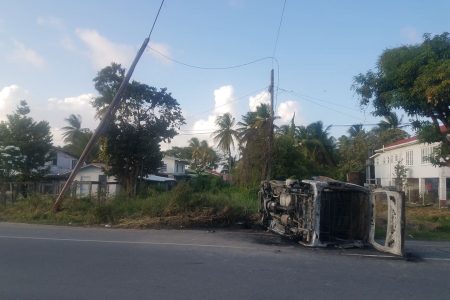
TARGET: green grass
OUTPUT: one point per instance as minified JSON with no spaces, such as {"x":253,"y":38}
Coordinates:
{"x":199,"y":202}
{"x":428,"y":223}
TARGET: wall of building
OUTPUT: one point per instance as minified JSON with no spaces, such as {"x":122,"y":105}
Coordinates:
{"x":91,"y":174}
{"x":422,"y":174}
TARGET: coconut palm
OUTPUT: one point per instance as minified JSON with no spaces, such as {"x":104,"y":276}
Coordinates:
{"x":76,"y":137}
{"x":391,"y":121}
{"x":226,"y":135}
{"x":73,"y":130}
{"x":317,"y":144}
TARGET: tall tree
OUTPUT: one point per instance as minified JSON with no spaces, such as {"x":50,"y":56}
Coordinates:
{"x":253,"y":133}
{"x":318,"y":145}
{"x":226,"y":135}
{"x":416,"y":79}
{"x":146,"y":117}
{"x":32,"y":138}
{"x":76,"y":138}
{"x":203,"y":156}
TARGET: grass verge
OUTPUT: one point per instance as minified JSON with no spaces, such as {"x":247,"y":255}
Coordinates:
{"x":203,"y":202}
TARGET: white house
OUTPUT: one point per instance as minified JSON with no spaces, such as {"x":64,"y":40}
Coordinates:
{"x":173,"y":167}
{"x":422,"y":177}
{"x":62,"y":162}
{"x":91,"y":180}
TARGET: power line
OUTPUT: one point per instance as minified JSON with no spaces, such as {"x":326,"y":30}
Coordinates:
{"x":156,"y":19}
{"x":278,"y":31}
{"x":318,"y":99}
{"x":208,"y":68}
{"x":319,"y":104}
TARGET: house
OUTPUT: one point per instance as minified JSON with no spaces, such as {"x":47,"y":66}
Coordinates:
{"x":423,"y":179}
{"x":91,"y":180}
{"x":173,"y":167}
{"x":62,"y":162}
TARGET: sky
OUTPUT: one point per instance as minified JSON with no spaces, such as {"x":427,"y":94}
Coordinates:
{"x":50,"y":51}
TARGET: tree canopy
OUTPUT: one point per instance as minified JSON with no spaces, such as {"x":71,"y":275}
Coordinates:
{"x":32,"y":143}
{"x":415,"y":79}
{"x":145,"y":117}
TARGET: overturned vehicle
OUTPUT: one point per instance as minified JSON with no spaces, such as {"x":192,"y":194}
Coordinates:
{"x":325,"y":212}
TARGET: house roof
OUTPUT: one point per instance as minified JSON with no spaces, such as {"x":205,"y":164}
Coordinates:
{"x":158,"y":178}
{"x":177,"y":159}
{"x":403,"y":142}
{"x":59,"y":149}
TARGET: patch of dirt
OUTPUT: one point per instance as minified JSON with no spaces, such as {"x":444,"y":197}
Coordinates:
{"x":201,"y":219}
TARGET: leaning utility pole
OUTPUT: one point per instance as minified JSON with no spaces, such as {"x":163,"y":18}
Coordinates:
{"x":270,"y":133}
{"x":107,"y":118}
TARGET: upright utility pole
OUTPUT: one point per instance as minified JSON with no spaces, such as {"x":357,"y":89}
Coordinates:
{"x":270,"y":133}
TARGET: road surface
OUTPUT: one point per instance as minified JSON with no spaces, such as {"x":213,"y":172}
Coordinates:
{"x":56,"y":262}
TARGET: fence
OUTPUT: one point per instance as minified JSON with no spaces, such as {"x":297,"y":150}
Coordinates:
{"x":11,"y":192}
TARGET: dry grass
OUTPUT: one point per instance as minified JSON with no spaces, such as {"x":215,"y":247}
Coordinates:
{"x":428,"y":223}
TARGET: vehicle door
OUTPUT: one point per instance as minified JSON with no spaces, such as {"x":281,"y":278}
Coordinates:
{"x":387,"y":226}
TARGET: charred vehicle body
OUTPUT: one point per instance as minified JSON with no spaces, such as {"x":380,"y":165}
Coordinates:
{"x":326,"y":212}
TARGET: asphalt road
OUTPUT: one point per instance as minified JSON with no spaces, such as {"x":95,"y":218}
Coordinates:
{"x":52,"y":262}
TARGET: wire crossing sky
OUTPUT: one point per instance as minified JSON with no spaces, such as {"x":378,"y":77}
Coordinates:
{"x":212,"y":56}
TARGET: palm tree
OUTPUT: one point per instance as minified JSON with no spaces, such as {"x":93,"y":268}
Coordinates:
{"x":203,"y":156}
{"x":73,"y":130}
{"x":76,"y":138}
{"x":226,"y":135}
{"x":356,"y":130}
{"x":391,"y":121}
{"x":317,"y":143}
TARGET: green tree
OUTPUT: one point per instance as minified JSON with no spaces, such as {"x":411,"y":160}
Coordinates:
{"x":253,"y":138}
{"x":388,"y":131}
{"x":76,"y":138}
{"x":416,"y":79}
{"x":145,"y":117}
{"x":203,"y":156}
{"x":353,"y":151}
{"x":317,"y":145}
{"x":180,"y":152}
{"x":226,"y":135}
{"x":32,"y":138}
{"x":11,"y":159}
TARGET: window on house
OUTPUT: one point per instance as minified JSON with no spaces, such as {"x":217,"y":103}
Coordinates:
{"x":74,"y":162}
{"x":409,"y":158}
{"x":55,"y":161}
{"x":427,"y":153}
{"x":164,"y":168}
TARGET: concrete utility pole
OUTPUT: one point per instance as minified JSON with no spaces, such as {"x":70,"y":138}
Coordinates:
{"x":270,"y":133}
{"x":107,"y":119}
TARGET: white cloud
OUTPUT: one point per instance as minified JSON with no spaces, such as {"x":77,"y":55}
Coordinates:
{"x":61,"y":108}
{"x":163,"y":50}
{"x":411,"y":35}
{"x":50,"y":21}
{"x":102,"y":51}
{"x":10,"y":97}
{"x":223,"y":103}
{"x":257,"y":100}
{"x":22,"y":54}
{"x":286,"y":110}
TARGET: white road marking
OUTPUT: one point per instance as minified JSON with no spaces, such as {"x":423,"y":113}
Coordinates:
{"x":122,"y":242}
{"x":391,"y":256}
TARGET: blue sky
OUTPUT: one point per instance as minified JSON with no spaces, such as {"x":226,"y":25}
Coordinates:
{"x":51,"y":50}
